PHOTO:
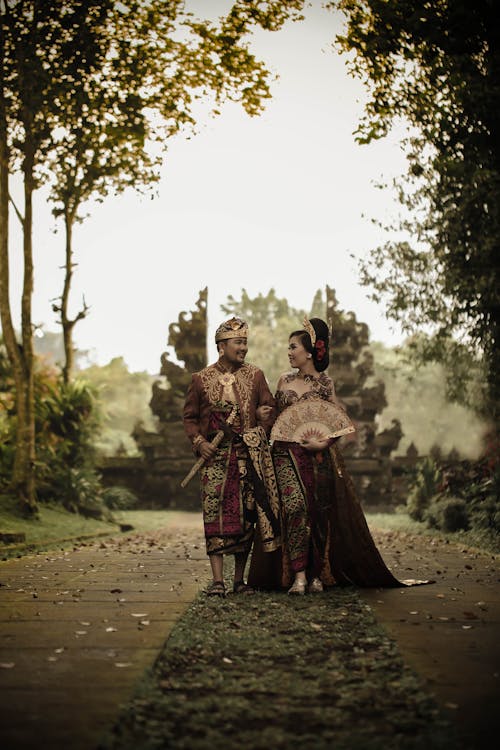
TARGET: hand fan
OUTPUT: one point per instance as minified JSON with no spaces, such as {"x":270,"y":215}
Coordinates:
{"x":311,"y":418}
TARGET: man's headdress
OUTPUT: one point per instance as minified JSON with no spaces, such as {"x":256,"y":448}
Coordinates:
{"x":234,"y":328}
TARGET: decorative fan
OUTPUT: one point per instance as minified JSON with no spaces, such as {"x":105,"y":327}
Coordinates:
{"x":311,"y":418}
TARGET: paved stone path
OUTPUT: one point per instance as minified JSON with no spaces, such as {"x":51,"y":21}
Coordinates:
{"x":449,"y":633}
{"x":78,"y":629}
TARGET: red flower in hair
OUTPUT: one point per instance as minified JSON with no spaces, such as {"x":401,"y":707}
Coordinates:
{"x":320,"y":349}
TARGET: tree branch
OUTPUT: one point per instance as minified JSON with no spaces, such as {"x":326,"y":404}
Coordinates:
{"x":18,"y":213}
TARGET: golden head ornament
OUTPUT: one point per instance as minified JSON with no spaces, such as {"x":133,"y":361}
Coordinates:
{"x":234,"y":328}
{"x":309,"y":328}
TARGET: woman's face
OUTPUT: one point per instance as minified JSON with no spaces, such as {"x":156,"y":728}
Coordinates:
{"x":297,"y":355}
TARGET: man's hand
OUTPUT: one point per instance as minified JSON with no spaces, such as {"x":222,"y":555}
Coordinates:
{"x":263,"y":413}
{"x":206,"y":450}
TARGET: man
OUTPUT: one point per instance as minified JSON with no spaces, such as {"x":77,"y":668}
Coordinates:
{"x":238,"y":486}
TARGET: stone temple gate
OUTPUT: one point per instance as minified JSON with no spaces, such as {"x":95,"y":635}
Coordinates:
{"x":166,"y":454}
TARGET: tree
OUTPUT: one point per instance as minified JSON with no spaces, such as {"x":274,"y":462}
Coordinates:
{"x":416,"y":396}
{"x":57,"y":60}
{"x":436,"y":66}
{"x":122,"y":398}
{"x":149,"y":64}
{"x":36,"y":49}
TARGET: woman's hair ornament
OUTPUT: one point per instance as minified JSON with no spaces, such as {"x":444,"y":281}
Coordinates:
{"x":309,"y":328}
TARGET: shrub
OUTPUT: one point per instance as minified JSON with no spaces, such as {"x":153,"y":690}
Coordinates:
{"x":119,"y":498}
{"x":423,"y":487}
{"x":78,"y":489}
{"x":478,"y":483}
{"x":447,"y":513}
{"x":66,"y":422}
{"x":66,"y":418}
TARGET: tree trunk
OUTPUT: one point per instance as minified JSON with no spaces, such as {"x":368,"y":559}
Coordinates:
{"x":67,"y":324}
{"x":26,"y":427}
{"x":22,"y":476}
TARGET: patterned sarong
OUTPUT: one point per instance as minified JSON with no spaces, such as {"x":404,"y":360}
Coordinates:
{"x":238,"y":489}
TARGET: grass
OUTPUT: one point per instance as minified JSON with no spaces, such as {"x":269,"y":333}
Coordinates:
{"x":53,"y":524}
{"x":57,"y":527}
{"x":274,"y":671}
{"x":483,"y":539}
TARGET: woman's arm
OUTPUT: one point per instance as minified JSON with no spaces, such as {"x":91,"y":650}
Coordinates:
{"x":265,"y":412}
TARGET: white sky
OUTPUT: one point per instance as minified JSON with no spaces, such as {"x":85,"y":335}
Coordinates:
{"x":275,"y":201}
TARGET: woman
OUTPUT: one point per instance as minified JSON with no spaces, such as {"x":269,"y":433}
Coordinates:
{"x":326,"y":537}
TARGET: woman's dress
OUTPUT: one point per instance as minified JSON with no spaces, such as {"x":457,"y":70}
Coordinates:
{"x":324,"y":527}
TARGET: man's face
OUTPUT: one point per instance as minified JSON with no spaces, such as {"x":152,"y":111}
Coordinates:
{"x":234,"y":350}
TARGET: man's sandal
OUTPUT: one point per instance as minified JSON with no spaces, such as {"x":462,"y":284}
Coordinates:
{"x":240,"y":587}
{"x":216,"y":588}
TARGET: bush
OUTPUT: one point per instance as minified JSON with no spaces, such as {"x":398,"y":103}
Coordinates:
{"x":78,"y":489}
{"x":67,"y":418}
{"x":423,"y":488}
{"x":66,"y":422}
{"x":119,"y":498}
{"x":478,"y":483}
{"x":447,"y":513}
{"x":483,"y":498}
{"x":455,"y":495}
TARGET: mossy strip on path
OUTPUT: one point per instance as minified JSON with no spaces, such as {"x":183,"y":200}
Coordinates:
{"x":272,"y":671}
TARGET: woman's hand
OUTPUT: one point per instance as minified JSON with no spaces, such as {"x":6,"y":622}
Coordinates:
{"x":263,"y":413}
{"x":315,"y":444}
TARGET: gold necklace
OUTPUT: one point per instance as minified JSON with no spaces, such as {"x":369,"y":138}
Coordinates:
{"x":226,"y":379}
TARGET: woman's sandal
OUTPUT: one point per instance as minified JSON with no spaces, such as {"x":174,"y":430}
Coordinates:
{"x":315,"y":587}
{"x":240,"y":587}
{"x":216,"y":588}
{"x":298,"y":588}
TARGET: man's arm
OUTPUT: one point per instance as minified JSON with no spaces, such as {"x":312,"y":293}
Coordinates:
{"x":191,"y":415}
